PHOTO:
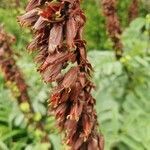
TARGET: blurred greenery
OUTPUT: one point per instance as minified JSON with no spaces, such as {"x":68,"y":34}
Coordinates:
{"x":122,"y":94}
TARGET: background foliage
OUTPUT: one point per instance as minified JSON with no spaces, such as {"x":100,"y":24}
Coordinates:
{"x":122,"y":93}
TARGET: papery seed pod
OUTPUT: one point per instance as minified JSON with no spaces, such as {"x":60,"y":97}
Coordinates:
{"x":58,"y":41}
{"x":113,"y":25}
{"x":133,"y":10}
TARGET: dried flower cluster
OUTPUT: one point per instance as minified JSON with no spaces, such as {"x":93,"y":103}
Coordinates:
{"x":9,"y":67}
{"x":133,"y":10}
{"x":14,"y":76}
{"x":113,"y":25}
{"x":57,"y":27}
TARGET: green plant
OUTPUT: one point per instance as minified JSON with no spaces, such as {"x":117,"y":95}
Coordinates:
{"x":124,"y":116}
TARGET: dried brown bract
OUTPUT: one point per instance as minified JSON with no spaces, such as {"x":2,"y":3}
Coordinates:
{"x":57,"y":27}
{"x":113,"y":25}
{"x":133,"y":10}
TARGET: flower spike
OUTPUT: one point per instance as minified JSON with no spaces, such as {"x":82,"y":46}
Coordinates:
{"x":62,"y":59}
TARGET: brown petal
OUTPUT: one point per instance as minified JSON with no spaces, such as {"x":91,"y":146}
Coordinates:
{"x":101,"y":142}
{"x":71,"y":127}
{"x":41,"y":23}
{"x":40,"y":58}
{"x":75,"y":91}
{"x":83,"y":53}
{"x":69,"y":1}
{"x":1,"y":51}
{"x":55,"y":99}
{"x":87,"y":125}
{"x":70,"y":77}
{"x":76,"y":111}
{"x":82,"y":79}
{"x":59,"y":78}
{"x":33,"y":45}
{"x":51,"y":72}
{"x":71,"y":32}
{"x":53,"y":59}
{"x":64,"y":95}
{"x":60,"y":110}
{"x":55,"y":38}
{"x":29,"y":18}
{"x":93,"y":144}
{"x":32,"y":4}
{"x":78,"y":143}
